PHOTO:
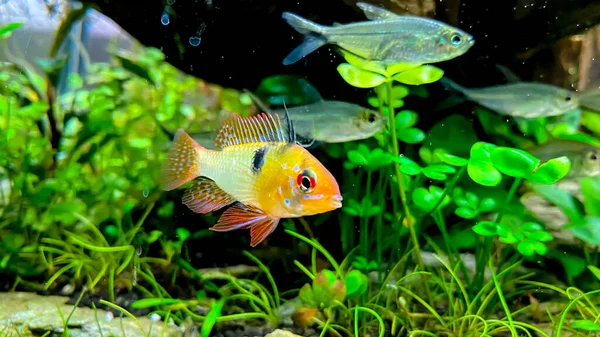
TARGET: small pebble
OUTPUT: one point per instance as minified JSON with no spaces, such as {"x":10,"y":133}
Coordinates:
{"x":155,"y":317}
{"x":67,"y":290}
{"x":109,"y":316}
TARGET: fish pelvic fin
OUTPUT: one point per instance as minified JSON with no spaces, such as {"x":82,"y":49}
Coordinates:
{"x":182,"y":163}
{"x":206,"y":196}
{"x":261,"y":128}
{"x":240,"y":216}
{"x":315,"y":37}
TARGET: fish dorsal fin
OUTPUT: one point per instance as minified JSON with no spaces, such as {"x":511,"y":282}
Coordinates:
{"x":376,"y":13}
{"x":264,"y":127}
{"x":511,"y":77}
{"x":260,"y":104}
{"x":291,"y":136}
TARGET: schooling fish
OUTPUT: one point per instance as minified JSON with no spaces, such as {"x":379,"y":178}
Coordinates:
{"x":387,"y":37}
{"x":584,"y":157}
{"x":521,"y":99}
{"x":259,"y":169}
{"x":320,"y":122}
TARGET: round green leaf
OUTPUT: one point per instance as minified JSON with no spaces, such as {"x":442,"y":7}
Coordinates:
{"x":411,"y":135}
{"x":530,"y":247}
{"x":423,"y":199}
{"x":465,"y":212}
{"x":411,"y":169}
{"x":541,"y":236}
{"x":422,"y":75}
{"x":451,"y":159}
{"x":433,"y":174}
{"x":486,"y":228}
{"x":359,"y":78}
{"x":357,"y":158}
{"x":356,"y":284}
{"x":551,"y":171}
{"x":513,"y":162}
{"x":531,"y":227}
{"x":373,"y":101}
{"x":480,"y":167}
{"x":361,"y":63}
{"x":400,"y":67}
{"x":405,"y":119}
{"x":487,"y":205}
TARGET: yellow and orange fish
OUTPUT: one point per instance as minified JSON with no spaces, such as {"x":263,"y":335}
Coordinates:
{"x":260,"y":169}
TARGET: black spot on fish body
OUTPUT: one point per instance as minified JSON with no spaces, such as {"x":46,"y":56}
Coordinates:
{"x":258,"y":160}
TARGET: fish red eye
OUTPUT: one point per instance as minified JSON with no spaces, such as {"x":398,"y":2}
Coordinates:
{"x":306,"y":181}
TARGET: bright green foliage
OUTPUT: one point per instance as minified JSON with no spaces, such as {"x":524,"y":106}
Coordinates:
{"x":364,"y":209}
{"x":470,"y":205}
{"x":367,"y":158}
{"x":325,"y":290}
{"x":520,"y":164}
{"x":356,"y":284}
{"x":427,"y":199}
{"x":480,"y":166}
{"x":529,"y":236}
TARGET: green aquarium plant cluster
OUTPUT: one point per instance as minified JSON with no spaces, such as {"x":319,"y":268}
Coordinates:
{"x":436,"y":241}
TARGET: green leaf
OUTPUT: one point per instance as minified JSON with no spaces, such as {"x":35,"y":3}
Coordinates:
{"x":408,"y":166}
{"x":356,"y":284}
{"x":361,"y":63}
{"x":530,"y":248}
{"x":438,"y":171}
{"x":12,"y":242}
{"x":411,"y":135}
{"x":561,"y":198}
{"x":586,"y":325}
{"x":405,"y":119}
{"x":154,"y":302}
{"x":422,"y":75}
{"x":586,"y":229}
{"x":595,"y":270}
{"x":6,"y":30}
{"x":182,"y":234}
{"x":359,"y":78}
{"x":590,"y":188}
{"x":307,"y":296}
{"x":357,"y":158}
{"x":573,"y":265}
{"x":465,"y":212}
{"x":450,"y":159}
{"x":211,"y":318}
{"x":551,"y":171}
{"x":487,"y":228}
{"x":426,"y":199}
{"x":401,"y":67}
{"x":513,"y":162}
{"x":480,"y":167}
{"x":487,"y":205}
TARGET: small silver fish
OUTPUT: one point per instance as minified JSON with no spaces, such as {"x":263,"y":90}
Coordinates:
{"x":387,"y":37}
{"x":322,"y":121}
{"x":521,"y":99}
{"x":584,"y":157}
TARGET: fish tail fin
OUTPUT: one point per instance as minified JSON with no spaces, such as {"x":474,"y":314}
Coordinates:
{"x":315,"y":37}
{"x":182,"y":163}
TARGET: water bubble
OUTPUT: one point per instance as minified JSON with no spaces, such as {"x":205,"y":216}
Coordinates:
{"x":164,"y":18}
{"x":109,"y":316}
{"x":195,"y":40}
{"x":155,"y":317}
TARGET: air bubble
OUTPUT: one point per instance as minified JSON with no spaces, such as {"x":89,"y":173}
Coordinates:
{"x":164,"y":18}
{"x":195,"y":41}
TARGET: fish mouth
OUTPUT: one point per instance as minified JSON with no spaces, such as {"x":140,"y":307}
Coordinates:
{"x":336,"y":201}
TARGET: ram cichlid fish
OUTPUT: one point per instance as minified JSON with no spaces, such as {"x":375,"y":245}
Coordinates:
{"x":386,"y":37}
{"x":259,"y":170}
{"x":520,"y":99}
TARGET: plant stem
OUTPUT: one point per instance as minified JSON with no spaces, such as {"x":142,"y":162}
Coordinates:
{"x":489,"y":240}
{"x":364,"y":228}
{"x":400,"y":177}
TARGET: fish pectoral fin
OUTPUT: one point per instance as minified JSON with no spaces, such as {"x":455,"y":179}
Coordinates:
{"x":206,"y":196}
{"x":240,"y":216}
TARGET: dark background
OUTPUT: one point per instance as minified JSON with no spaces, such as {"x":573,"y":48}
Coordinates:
{"x":245,"y":41}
